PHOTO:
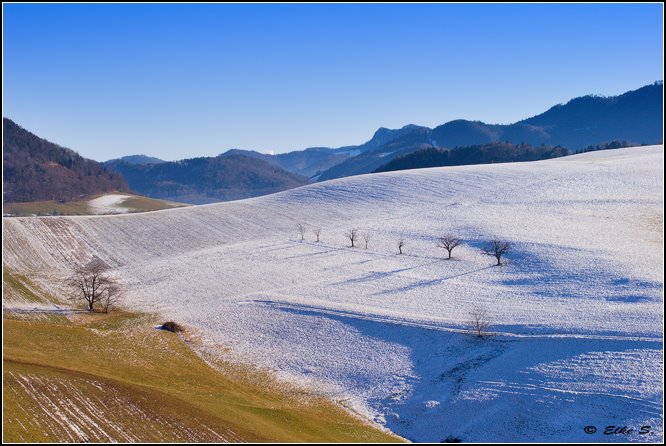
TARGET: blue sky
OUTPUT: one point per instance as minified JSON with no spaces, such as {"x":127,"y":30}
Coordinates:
{"x":177,"y":81}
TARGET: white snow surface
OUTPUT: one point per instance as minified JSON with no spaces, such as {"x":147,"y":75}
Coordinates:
{"x":576,"y":311}
{"x":108,"y":204}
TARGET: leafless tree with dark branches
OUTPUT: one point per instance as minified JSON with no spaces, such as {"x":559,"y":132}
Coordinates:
{"x":478,"y":320}
{"x":110,"y":298}
{"x":92,"y":284}
{"x":497,"y":248}
{"x":366,"y":239}
{"x":301,"y":230}
{"x":352,"y":235}
{"x":448,"y":242}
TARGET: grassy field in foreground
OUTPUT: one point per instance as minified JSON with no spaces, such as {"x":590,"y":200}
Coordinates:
{"x":46,"y":208}
{"x":97,"y":377}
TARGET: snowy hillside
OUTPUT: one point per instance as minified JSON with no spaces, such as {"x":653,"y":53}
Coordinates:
{"x":576,"y":310}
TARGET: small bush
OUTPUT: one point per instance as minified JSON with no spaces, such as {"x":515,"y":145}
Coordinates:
{"x":452,"y":439}
{"x":171,"y":326}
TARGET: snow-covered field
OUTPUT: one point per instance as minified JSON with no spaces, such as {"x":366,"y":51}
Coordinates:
{"x":576,"y":311}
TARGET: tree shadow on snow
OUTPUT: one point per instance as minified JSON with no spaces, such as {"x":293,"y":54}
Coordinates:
{"x":481,"y":389}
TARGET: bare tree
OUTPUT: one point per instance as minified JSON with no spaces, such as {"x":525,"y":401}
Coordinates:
{"x":401,"y":243}
{"x":366,"y":239}
{"x":110,"y":298}
{"x":478,"y":320}
{"x":301,"y":230}
{"x":448,"y":242}
{"x":352,"y":235}
{"x":91,"y":284}
{"x":317,"y":233}
{"x":497,"y":248}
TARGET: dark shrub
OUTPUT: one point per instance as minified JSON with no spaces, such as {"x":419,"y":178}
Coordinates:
{"x":171,"y":326}
{"x":452,"y":439}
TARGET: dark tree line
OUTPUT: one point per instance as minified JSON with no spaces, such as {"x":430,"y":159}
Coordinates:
{"x":499,"y":152}
{"x":608,"y":146}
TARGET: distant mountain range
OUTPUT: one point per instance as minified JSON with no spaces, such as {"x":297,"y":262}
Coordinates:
{"x":394,"y":143}
{"x":635,"y":117}
{"x":206,"y":180}
{"x":36,"y":169}
{"x":134,"y":159}
{"x":310,"y":162}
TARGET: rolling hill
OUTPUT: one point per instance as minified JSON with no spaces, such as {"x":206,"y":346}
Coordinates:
{"x":115,"y":203}
{"x":635,"y":116}
{"x":207,"y":180}
{"x":36,"y":169}
{"x":134,"y":159}
{"x":480,"y":154}
{"x":576,"y":312}
{"x":71,"y":376}
{"x":308,"y":163}
{"x":389,"y":146}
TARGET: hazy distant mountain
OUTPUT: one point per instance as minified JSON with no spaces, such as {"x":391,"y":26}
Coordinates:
{"x":134,"y":159}
{"x":635,"y":116}
{"x":312,"y":162}
{"x":407,"y":133}
{"x":308,"y":163}
{"x":463,"y":133}
{"x":207,"y":180}
{"x":36,"y":169}
{"x":496,"y":152}
{"x":371,"y":156}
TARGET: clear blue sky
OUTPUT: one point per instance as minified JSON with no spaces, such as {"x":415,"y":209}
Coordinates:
{"x":178,"y":81}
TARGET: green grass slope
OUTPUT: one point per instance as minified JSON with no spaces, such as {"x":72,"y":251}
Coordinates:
{"x":115,"y":378}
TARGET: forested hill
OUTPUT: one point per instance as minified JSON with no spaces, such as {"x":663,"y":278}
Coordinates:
{"x":37,"y":169}
{"x":476,"y":154}
{"x":208,"y":179}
